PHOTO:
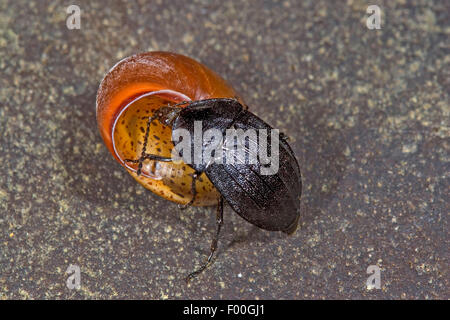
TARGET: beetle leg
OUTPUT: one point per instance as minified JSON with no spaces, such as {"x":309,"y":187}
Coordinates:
{"x":141,"y":159}
{"x":145,"y":155}
{"x":215,"y":240}
{"x":150,"y":157}
{"x":195,"y":176}
{"x":157,"y":157}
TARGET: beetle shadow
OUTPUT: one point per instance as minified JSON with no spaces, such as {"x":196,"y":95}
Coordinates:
{"x":320,"y":153}
{"x":252,"y":235}
{"x":323,"y":163}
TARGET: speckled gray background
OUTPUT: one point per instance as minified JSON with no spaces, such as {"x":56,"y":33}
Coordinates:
{"x":368,"y":116}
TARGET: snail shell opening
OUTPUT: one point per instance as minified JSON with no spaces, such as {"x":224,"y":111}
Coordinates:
{"x":129,"y":127}
{"x":130,"y":92}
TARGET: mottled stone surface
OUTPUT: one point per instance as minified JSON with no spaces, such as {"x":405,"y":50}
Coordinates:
{"x":368,"y":116}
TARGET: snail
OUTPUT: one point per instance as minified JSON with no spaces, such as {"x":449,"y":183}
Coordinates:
{"x":133,"y":89}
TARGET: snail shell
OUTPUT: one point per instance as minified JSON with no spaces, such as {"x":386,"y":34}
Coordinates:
{"x":132,"y":90}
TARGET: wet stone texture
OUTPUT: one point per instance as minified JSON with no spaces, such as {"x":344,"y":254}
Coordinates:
{"x":367,"y":112}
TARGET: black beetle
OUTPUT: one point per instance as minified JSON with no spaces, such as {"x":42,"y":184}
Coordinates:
{"x":269,"y":201}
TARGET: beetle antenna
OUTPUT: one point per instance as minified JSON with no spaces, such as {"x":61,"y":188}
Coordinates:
{"x":179,"y":104}
{"x":215,"y":240}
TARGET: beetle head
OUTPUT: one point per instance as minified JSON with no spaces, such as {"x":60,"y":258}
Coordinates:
{"x":167,"y":114}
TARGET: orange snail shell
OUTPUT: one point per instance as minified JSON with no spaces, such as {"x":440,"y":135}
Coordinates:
{"x":133,"y":89}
